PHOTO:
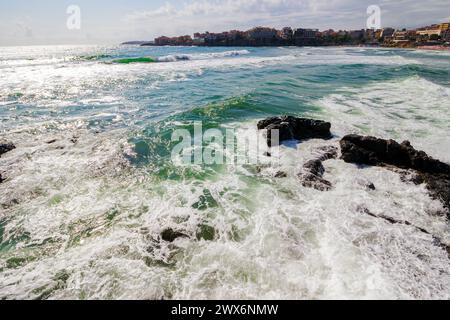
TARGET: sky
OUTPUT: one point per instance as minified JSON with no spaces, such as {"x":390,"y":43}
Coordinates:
{"x":41,"y":22}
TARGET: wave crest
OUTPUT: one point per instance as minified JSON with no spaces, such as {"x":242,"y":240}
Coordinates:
{"x":202,"y":56}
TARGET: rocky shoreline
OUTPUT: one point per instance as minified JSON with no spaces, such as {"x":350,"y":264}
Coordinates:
{"x":359,"y":150}
{"x":4,"y":148}
{"x":363,"y":151}
{"x":413,"y":165}
{"x":378,"y":152}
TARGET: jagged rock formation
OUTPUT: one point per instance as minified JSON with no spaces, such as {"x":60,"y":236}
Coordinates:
{"x":6,"y":147}
{"x":171,"y":235}
{"x":313,"y":170}
{"x":294,"y":128}
{"x":378,"y":152}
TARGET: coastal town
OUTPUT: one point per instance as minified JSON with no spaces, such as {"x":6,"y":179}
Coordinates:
{"x":437,"y":35}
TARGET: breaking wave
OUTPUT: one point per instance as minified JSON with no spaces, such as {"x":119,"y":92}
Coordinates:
{"x":203,"y":56}
{"x":178,"y":57}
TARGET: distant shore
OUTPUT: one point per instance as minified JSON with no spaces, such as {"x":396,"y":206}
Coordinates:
{"x":431,"y":48}
{"x":434,"y":48}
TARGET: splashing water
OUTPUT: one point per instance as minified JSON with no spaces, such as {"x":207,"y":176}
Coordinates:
{"x":90,"y":186}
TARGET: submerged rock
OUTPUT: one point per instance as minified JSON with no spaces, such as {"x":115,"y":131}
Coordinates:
{"x":280,"y":174}
{"x":312,"y":181}
{"x":378,"y":152}
{"x":439,"y":187}
{"x":437,"y":241}
{"x":295,"y":128}
{"x":313,"y":170}
{"x":328,"y":152}
{"x":6,"y":147}
{"x":371,"y":186}
{"x":206,"y":232}
{"x":315,"y":167}
{"x":171,"y":235}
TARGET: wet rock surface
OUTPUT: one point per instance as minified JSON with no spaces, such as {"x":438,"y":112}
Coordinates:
{"x":171,"y":235}
{"x":371,"y":186}
{"x":439,"y":187}
{"x":290,"y":128}
{"x":379,"y":152}
{"x":437,"y":241}
{"x":6,"y":147}
{"x":374,"y":151}
{"x":313,"y":170}
{"x":281,"y":174}
{"x":310,"y":179}
{"x":328,"y":152}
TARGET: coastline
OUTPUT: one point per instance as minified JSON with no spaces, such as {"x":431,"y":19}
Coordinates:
{"x":434,"y":48}
{"x":378,"y":46}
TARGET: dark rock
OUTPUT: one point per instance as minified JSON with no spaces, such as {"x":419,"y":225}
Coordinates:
{"x":313,"y":170}
{"x":439,"y":187}
{"x":437,"y":241}
{"x":329,"y":152}
{"x":267,"y":154}
{"x":314,"y":167}
{"x":311,"y":177}
{"x":280,"y":174}
{"x":51,"y":141}
{"x":373,"y":151}
{"x":411,"y":176}
{"x":1,"y":179}
{"x":74,"y":139}
{"x":6,"y":147}
{"x":379,"y":152}
{"x":290,"y":128}
{"x":10,"y":203}
{"x":392,"y":220}
{"x":309,"y":180}
{"x":371,"y":186}
{"x":170,"y":235}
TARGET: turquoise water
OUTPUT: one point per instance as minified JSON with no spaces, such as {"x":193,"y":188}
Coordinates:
{"x":81,"y":216}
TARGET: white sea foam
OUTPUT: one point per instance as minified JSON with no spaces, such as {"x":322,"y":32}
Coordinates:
{"x":274,"y":238}
{"x":202,"y":56}
{"x":54,"y":85}
{"x":93,"y":220}
{"x":412,"y":109}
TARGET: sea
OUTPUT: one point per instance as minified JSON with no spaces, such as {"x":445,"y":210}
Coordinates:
{"x":92,"y":183}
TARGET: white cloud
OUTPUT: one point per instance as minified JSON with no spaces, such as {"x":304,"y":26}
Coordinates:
{"x":214,"y":15}
{"x":165,"y":11}
{"x":176,"y":17}
{"x":206,"y":8}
